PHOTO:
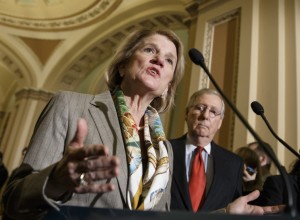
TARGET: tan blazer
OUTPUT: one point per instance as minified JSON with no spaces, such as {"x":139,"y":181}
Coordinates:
{"x":54,"y":130}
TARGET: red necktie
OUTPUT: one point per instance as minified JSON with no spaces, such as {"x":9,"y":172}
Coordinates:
{"x":197,"y":180}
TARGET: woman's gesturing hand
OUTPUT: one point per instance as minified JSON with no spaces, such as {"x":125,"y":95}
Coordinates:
{"x":82,"y":167}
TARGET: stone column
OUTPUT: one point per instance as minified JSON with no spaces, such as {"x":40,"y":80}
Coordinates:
{"x":28,"y":106}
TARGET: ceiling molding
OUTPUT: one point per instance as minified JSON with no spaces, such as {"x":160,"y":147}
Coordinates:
{"x":103,"y":49}
{"x":51,"y":15}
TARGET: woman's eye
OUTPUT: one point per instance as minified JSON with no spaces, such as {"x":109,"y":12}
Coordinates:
{"x":149,"y":50}
{"x":170,"y":61}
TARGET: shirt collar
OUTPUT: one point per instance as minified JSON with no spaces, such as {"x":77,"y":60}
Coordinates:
{"x":191,"y":147}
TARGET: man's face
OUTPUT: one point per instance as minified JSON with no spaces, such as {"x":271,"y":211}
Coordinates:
{"x":204,"y":118}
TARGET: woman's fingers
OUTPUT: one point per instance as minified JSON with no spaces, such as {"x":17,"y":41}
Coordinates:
{"x":92,"y":181}
{"x":80,"y":134}
{"x":86,"y":171}
{"x":86,"y":152}
{"x":95,"y":188}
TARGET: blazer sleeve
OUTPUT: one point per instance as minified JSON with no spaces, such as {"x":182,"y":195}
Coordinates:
{"x":168,"y":190}
{"x":272,"y":193}
{"x":239,"y":188}
{"x":23,"y":197}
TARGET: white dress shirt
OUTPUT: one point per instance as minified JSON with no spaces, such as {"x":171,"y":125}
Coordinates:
{"x":189,"y":156}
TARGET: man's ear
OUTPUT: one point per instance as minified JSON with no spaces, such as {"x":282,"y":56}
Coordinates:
{"x":186,"y":114}
{"x":220,"y":124}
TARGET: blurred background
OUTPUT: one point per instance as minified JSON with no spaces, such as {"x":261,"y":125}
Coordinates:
{"x":251,"y":47}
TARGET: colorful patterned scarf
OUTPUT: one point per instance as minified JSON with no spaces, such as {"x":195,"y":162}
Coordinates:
{"x":144,"y":191}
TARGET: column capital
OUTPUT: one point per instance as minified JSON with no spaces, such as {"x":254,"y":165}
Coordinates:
{"x":30,"y":93}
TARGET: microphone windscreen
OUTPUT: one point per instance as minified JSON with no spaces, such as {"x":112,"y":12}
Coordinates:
{"x":257,"y":108}
{"x":196,"y":56}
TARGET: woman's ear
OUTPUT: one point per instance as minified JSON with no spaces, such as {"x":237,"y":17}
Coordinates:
{"x":121,"y":70}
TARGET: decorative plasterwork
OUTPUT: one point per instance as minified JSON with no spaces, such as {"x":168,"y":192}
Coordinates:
{"x":93,"y":56}
{"x":29,"y":14}
{"x":30,"y":93}
{"x":9,"y":62}
{"x":209,"y":35}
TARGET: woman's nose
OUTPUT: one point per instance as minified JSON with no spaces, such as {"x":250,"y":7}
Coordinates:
{"x":158,"y":61}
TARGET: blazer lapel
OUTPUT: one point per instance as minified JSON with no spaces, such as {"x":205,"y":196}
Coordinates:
{"x":108,"y":126}
{"x":209,"y":173}
{"x":215,"y":168}
{"x":180,"y":171}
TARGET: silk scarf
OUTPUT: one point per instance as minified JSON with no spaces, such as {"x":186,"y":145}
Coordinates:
{"x":144,"y":189}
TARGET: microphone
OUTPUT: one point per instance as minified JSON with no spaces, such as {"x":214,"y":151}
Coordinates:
{"x":259,"y":110}
{"x":198,"y":59}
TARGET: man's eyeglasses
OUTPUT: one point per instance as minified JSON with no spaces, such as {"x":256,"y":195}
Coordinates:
{"x":212,"y":112}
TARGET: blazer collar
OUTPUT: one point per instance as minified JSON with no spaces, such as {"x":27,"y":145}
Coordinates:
{"x":180,"y":171}
{"x":108,"y":126}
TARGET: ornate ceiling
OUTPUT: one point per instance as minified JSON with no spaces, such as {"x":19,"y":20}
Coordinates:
{"x":41,"y":15}
{"x":56,"y":44}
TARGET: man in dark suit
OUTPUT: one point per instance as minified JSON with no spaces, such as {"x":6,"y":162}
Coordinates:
{"x":223,"y":169}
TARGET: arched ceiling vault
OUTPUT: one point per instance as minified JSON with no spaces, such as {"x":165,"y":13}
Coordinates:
{"x":64,"y":40}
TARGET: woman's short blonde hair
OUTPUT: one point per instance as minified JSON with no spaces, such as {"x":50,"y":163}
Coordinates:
{"x":128,"y":48}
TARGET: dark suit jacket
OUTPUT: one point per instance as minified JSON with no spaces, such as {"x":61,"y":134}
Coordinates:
{"x":3,"y":175}
{"x":225,"y":179}
{"x":274,"y":191}
{"x":54,"y":131}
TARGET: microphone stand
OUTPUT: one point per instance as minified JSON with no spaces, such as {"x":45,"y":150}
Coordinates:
{"x":200,"y":61}
{"x":278,"y":138}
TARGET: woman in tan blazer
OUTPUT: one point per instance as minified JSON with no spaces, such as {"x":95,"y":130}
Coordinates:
{"x":107,"y":150}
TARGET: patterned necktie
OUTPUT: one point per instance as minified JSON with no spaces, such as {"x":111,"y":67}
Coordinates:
{"x":197,"y":180}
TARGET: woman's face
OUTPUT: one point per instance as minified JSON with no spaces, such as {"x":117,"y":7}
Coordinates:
{"x":151,"y":68}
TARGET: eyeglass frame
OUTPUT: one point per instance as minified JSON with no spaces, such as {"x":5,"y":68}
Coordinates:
{"x":211,"y":111}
